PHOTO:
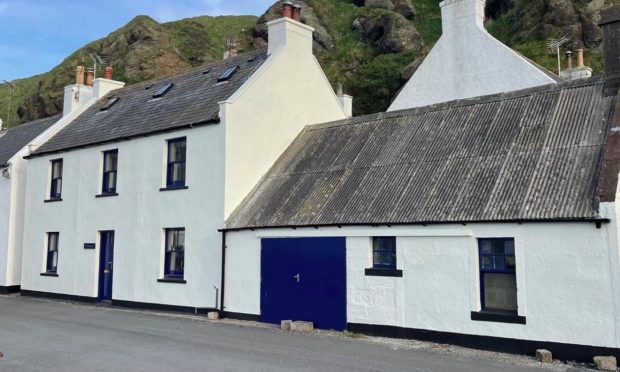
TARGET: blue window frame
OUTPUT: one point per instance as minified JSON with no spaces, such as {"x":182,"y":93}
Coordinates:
{"x":176,"y":162}
{"x":384,"y":253}
{"x":174,"y":262}
{"x":52,"y":252}
{"x":110,"y":165}
{"x":56,"y":180}
{"x":498,"y":275}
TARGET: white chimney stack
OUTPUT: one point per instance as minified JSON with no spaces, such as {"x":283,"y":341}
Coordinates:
{"x":78,"y":94}
{"x":457,"y":14}
{"x":288,"y":32}
{"x":346,"y":101}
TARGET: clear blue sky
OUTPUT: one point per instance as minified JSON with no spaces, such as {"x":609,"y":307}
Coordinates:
{"x":36,"y":35}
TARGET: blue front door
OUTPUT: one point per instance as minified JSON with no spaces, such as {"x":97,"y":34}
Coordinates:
{"x":304,"y":279}
{"x":106,"y":264}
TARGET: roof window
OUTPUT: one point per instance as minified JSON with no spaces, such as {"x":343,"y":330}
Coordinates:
{"x":163,"y":90}
{"x":228,"y":73}
{"x":111,"y":102}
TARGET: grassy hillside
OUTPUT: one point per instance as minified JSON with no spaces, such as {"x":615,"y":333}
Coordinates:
{"x":366,"y":48}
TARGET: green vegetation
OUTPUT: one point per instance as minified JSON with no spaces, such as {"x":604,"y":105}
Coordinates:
{"x":372,"y":77}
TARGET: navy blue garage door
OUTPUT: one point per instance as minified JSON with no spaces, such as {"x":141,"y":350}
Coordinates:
{"x":304,"y":279}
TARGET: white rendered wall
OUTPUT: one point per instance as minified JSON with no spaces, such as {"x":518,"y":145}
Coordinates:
{"x":467,"y":62}
{"x":567,"y":278}
{"x":263,"y":118}
{"x":5,"y":203}
{"x":138,"y":216}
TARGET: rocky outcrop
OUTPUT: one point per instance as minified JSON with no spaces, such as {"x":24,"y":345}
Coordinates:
{"x":389,"y":31}
{"x":323,"y":40}
{"x":404,"y":7}
{"x":142,"y":50}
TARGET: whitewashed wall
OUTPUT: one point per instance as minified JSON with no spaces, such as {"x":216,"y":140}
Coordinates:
{"x":467,"y":62}
{"x":5,"y":203}
{"x":265,"y":115}
{"x":567,"y":274}
{"x":138,"y":216}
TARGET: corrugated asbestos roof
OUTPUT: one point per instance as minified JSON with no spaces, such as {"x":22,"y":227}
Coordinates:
{"x":15,"y":139}
{"x":528,"y":155}
{"x":192,"y":100}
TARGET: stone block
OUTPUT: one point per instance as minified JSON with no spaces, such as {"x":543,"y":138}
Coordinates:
{"x":213,"y":315}
{"x":544,"y":356}
{"x":285,"y":325}
{"x":302,"y":326}
{"x":605,"y":363}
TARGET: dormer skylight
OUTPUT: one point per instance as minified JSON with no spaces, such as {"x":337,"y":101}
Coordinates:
{"x":163,"y":90}
{"x":228,"y":73}
{"x":111,"y":102}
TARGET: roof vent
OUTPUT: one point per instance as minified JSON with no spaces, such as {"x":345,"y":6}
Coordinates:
{"x":252,"y":58}
{"x":228,"y":73}
{"x":111,"y":102}
{"x":163,"y":90}
{"x":207,"y":71}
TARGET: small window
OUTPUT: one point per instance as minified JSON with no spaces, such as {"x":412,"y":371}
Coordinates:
{"x":111,"y":102}
{"x":175,"y":253}
{"x":228,"y":73}
{"x":52,"y":252}
{"x":56,"y":181}
{"x":110,"y":164}
{"x":498,"y":278}
{"x":163,"y":90}
{"x":384,"y":253}
{"x":176,"y":163}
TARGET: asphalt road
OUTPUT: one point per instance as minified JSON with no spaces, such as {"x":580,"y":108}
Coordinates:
{"x":37,"y":335}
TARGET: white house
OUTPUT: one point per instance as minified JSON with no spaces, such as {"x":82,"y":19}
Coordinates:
{"x":488,"y":222}
{"x":12,"y":141}
{"x":18,"y":142}
{"x":124,"y":203}
{"x":468,"y":62}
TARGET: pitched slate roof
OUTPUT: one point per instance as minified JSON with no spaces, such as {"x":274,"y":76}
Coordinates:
{"x":193,"y":100}
{"x":15,"y":139}
{"x":528,"y":155}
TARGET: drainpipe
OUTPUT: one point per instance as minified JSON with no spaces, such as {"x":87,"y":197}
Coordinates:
{"x":223,"y":272}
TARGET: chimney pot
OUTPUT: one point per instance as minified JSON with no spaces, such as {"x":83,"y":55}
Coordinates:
{"x":108,"y":72}
{"x":79,"y":75}
{"x":580,"y":58}
{"x":287,"y":9}
{"x":90,"y":76}
{"x":569,"y":59}
{"x":297,"y":12}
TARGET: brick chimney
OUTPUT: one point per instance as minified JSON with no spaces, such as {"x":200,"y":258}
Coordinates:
{"x":90,"y":75}
{"x":289,"y":33}
{"x":610,"y":24}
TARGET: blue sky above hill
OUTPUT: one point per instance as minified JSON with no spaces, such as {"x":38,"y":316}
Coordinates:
{"x":36,"y":35}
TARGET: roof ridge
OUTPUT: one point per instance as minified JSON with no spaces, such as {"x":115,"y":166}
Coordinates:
{"x":33,"y":122}
{"x":548,"y":88}
{"x":192,"y":70}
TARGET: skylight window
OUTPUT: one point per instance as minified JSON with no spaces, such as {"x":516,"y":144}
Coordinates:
{"x":205,"y":72}
{"x":111,"y":102}
{"x":163,"y":90}
{"x":228,"y":73}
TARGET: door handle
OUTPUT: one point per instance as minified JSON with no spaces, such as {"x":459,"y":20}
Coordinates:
{"x":297,"y":277}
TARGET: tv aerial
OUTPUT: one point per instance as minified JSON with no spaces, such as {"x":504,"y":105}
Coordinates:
{"x":554,"y":48}
{"x":97,"y":60}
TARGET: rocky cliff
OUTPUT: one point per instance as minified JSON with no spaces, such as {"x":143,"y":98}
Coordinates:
{"x":371,"y":46}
